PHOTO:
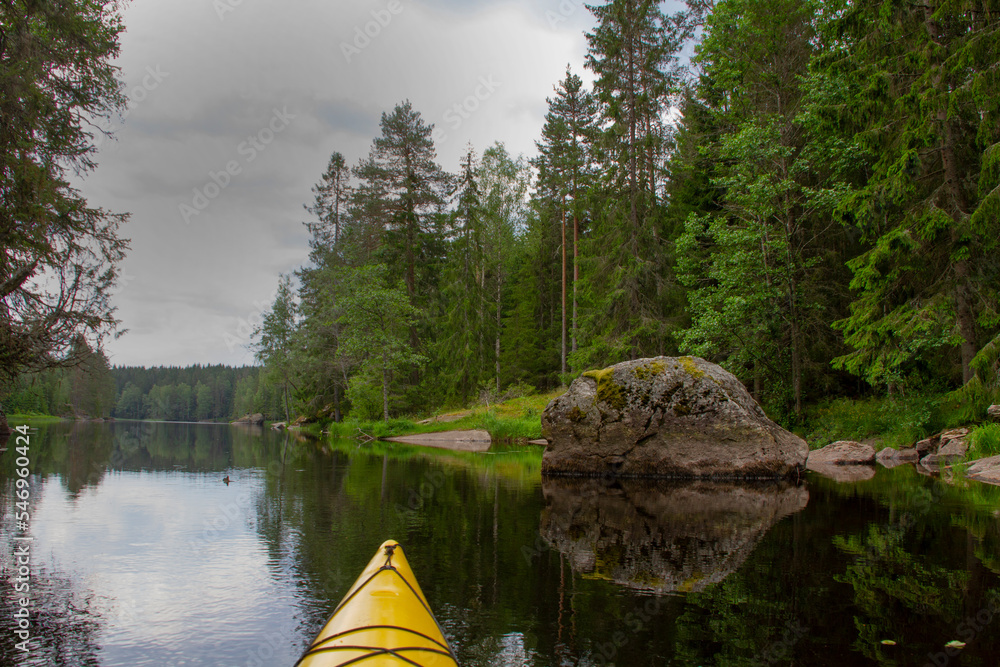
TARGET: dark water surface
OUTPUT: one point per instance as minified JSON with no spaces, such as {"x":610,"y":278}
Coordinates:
{"x":143,"y":556}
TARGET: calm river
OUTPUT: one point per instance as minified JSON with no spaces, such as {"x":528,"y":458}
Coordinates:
{"x":143,"y":555}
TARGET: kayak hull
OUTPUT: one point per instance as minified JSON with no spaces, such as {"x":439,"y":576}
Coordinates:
{"x":384,"y":619}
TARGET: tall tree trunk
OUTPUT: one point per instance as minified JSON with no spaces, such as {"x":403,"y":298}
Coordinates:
{"x":796,"y":359}
{"x":336,"y":401}
{"x":632,"y":157}
{"x":563,"y":356}
{"x":576,"y":271}
{"x":288,"y":417}
{"x":965,"y":318}
{"x":385,"y":394}
{"x":4,"y":427}
{"x":498,"y":338}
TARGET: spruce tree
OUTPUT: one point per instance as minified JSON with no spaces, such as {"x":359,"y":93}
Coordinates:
{"x":924,"y":108}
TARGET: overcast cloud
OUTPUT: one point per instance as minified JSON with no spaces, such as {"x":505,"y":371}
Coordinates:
{"x":236,"y":106}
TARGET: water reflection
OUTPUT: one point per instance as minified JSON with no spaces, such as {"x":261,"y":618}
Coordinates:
{"x":146,"y":557}
{"x":662,"y":537}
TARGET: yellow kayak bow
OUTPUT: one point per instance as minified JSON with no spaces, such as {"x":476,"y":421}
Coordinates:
{"x":383,"y":620}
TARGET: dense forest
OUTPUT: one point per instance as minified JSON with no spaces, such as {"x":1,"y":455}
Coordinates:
{"x":812,"y":201}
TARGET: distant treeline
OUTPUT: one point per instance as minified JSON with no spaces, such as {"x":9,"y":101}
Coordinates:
{"x":191,"y":393}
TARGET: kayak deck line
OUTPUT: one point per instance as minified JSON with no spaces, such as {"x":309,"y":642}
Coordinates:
{"x":369,"y":627}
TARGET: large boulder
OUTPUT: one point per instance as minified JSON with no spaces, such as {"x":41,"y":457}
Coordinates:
{"x":665,"y":417}
{"x":842,"y":452}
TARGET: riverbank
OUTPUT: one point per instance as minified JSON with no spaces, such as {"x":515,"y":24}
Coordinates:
{"x":20,"y":417}
{"x":900,"y":421}
{"x":514,"y":420}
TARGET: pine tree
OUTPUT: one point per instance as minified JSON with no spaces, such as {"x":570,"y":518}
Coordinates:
{"x":330,"y":204}
{"x":402,"y":191}
{"x":566,"y":174}
{"x":633,"y":53}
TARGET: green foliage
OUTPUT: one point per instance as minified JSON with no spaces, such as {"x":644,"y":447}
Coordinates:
{"x":365,"y":394}
{"x":377,"y":318}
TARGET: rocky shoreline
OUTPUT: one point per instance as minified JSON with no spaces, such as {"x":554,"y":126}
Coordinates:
{"x":847,"y":460}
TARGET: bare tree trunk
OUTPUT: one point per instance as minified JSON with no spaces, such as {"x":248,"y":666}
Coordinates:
{"x":385,"y":394}
{"x":336,"y":402}
{"x":4,"y":428}
{"x":563,"y":357}
{"x":288,"y":417}
{"x":498,"y":339}
{"x":965,"y":317}
{"x":576,"y":271}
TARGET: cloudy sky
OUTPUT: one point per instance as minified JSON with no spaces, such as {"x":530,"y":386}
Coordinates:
{"x":235,"y":108}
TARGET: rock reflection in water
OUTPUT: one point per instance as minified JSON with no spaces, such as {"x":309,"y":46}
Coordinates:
{"x":662,"y":536}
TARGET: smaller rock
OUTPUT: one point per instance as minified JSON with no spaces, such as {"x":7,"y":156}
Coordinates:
{"x":927,"y":445}
{"x":541,"y":441}
{"x":277,"y":426}
{"x":948,"y":453}
{"x":842,"y":452}
{"x":954,"y":434}
{"x":993,"y":413}
{"x":890,"y":458}
{"x":985,"y":470}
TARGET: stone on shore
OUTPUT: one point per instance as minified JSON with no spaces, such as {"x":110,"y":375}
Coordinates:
{"x":256,"y":419}
{"x":985,"y":470}
{"x":953,"y":446}
{"x":842,"y":452}
{"x":466,"y":441}
{"x":665,"y":417}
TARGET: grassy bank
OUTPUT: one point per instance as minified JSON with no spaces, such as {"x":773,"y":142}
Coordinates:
{"x":512,"y":420}
{"x":901,"y":421}
{"x":14,"y":419}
